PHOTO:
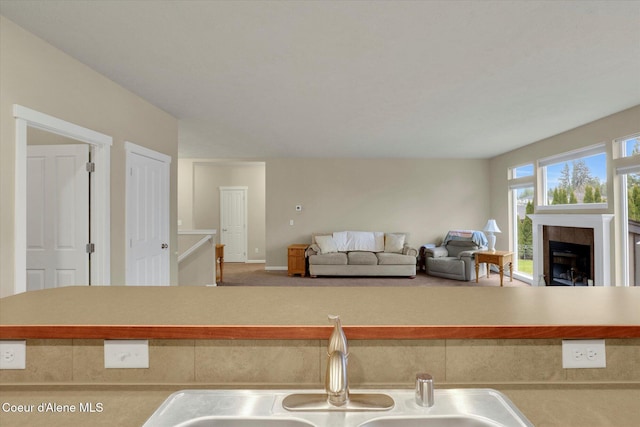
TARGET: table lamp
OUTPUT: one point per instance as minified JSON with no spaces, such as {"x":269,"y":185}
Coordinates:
{"x":491,"y":228}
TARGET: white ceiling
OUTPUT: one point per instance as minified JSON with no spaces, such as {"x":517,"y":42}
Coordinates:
{"x":260,"y":79}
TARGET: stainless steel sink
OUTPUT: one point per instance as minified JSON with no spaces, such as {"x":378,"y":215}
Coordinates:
{"x":434,"y":421}
{"x":244,"y":422}
{"x":249,"y":408}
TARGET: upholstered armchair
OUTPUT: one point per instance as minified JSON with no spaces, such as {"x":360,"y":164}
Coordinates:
{"x":455,"y":258}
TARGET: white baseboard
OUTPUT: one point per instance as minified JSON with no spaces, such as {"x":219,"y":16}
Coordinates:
{"x":255,"y":261}
{"x":276,"y":268}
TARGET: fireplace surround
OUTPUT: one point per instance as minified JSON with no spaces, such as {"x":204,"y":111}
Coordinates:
{"x":600,"y":227}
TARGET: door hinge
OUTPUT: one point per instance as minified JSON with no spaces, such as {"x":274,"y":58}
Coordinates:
{"x":91,"y":248}
{"x":91,"y":167}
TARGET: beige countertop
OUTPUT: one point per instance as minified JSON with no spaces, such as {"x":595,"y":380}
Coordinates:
{"x":301,"y":313}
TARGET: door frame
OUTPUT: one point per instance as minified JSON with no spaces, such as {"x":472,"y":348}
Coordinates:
{"x":100,"y":205}
{"x":131,"y":148}
{"x":245,"y":190}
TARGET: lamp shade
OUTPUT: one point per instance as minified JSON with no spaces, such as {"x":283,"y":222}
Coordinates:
{"x":492,"y":227}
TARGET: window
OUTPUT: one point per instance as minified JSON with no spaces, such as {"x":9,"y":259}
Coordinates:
{"x":521,"y":188}
{"x":575,"y":178}
{"x":629,"y":171}
{"x":522,"y":171}
{"x":630,"y":146}
{"x":523,"y":232}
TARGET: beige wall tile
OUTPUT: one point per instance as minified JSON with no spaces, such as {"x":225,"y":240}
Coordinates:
{"x":504,"y":360}
{"x":623,"y":363}
{"x":47,"y":361}
{"x":272,"y":362}
{"x":170,"y":361}
{"x":394,"y":362}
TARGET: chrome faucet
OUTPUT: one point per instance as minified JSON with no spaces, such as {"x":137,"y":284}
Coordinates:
{"x":337,"y":379}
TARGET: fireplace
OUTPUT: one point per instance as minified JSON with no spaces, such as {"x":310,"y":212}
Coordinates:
{"x":569,"y":264}
{"x":598,"y":227}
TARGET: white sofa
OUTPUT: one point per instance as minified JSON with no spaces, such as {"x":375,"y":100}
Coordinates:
{"x":361,"y":253}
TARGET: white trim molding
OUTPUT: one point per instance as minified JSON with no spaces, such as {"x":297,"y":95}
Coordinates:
{"x":601,"y":225}
{"x":100,"y":189}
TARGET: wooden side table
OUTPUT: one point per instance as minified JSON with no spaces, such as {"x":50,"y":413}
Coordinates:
{"x":499,"y":258}
{"x":296,"y":261}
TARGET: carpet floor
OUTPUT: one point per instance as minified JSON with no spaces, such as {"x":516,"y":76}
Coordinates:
{"x":240,"y":274}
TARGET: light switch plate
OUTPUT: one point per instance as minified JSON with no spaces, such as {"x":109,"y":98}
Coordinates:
{"x":583,"y":354}
{"x":13,"y":354}
{"x":126,"y":354}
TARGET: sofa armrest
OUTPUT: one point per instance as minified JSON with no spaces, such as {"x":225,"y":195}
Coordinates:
{"x":313,"y":249}
{"x":408,"y":250}
{"x":437,"y":252}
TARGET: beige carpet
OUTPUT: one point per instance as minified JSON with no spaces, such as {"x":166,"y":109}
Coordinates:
{"x":240,"y":274}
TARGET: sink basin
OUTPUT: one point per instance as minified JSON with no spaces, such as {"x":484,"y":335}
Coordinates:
{"x":268,"y":408}
{"x":244,"y":422}
{"x":453,"y":421}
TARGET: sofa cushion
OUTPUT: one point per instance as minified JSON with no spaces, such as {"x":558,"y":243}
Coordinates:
{"x":362,"y":258}
{"x":385,"y":258}
{"x":394,"y":243}
{"x":336,"y":258}
{"x":326,"y":244}
{"x":448,"y":265}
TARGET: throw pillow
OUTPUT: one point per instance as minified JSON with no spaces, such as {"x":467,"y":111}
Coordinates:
{"x":394,"y":243}
{"x":326,"y":244}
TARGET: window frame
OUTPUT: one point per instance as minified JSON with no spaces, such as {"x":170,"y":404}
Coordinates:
{"x":542,"y":164}
{"x":513,"y":185}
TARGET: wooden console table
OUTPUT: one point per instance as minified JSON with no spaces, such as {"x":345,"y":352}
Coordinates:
{"x":499,"y":258}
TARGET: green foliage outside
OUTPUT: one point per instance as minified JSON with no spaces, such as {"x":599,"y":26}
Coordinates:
{"x":633,"y":194}
{"x":576,"y":183}
{"x":525,"y":241}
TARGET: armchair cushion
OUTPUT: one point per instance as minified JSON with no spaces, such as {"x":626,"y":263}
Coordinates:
{"x":437,"y":252}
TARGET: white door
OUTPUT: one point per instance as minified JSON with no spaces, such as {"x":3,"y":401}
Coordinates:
{"x":57,"y":216}
{"x":233,"y":223}
{"x":147,"y":187}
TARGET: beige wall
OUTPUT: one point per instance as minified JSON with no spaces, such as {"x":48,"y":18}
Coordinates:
{"x":425,"y":197}
{"x":199,"y":197}
{"x":606,"y":130}
{"x":38,"y":76}
{"x":529,"y":371}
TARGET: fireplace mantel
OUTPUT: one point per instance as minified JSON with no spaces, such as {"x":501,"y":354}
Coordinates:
{"x":601,"y":225}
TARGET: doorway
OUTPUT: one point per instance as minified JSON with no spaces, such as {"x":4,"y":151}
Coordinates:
{"x":100,"y":188}
{"x":233,"y":223}
{"x":58,"y":248}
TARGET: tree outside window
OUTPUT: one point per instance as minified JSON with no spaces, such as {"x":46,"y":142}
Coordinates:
{"x":581,"y":180}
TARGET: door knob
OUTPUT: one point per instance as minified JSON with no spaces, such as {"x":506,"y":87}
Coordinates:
{"x":164,"y":246}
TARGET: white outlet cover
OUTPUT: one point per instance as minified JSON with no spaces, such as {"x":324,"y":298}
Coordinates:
{"x":126,"y":354}
{"x":13,"y":354}
{"x":583,"y":354}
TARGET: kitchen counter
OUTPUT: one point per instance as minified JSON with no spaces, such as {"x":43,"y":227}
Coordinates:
{"x":175,"y":312}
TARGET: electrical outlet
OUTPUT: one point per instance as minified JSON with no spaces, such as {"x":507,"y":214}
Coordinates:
{"x":583,"y":354}
{"x":13,"y":354}
{"x":126,"y":354}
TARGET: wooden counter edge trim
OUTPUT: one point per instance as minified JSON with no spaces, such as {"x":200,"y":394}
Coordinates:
{"x":305,"y":332}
